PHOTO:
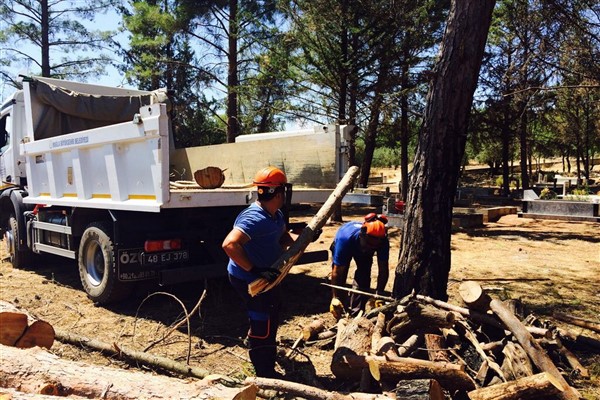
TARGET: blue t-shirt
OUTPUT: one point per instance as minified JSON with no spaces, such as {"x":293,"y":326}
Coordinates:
{"x":347,"y":245}
{"x":263,"y":248}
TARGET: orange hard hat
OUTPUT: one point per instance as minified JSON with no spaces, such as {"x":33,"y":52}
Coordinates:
{"x":374,"y":225}
{"x":270,"y":176}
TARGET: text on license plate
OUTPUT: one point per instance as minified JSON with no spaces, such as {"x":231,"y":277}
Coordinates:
{"x":165,"y":258}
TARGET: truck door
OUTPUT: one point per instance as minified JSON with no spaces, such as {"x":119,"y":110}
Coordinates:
{"x":6,"y":156}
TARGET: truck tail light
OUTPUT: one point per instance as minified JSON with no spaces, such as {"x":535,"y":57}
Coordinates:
{"x":152,"y":246}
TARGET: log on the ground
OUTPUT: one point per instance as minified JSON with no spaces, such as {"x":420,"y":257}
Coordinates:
{"x":133,"y":355}
{"x":410,"y":345}
{"x":537,"y":354}
{"x":352,"y":339}
{"x":309,"y":392}
{"x":35,"y":370}
{"x":450,"y":376}
{"x":287,"y":260}
{"x":419,"y":389}
{"x":582,"y":322}
{"x":419,"y":317}
{"x":478,"y":316}
{"x":516,"y":363}
{"x":530,"y":387}
{"x":474,"y":296}
{"x":22,"y":330}
{"x":436,"y":347}
{"x":386,"y":347}
{"x":571,"y":359}
{"x":313,"y":329}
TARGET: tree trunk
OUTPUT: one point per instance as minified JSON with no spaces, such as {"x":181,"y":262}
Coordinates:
{"x":37,"y":371}
{"x":233,"y":123}
{"x":424,"y":263}
{"x":45,"y":38}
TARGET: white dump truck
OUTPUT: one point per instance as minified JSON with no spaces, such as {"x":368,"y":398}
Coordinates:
{"x":90,"y":173}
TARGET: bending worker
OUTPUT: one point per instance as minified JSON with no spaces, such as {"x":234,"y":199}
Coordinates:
{"x":258,"y":238}
{"x":359,"y":241}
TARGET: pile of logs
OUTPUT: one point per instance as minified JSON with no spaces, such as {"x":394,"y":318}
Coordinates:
{"x":429,"y":349}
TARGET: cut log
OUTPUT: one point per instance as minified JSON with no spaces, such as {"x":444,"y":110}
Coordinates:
{"x":419,"y":317}
{"x":474,"y":296}
{"x":582,"y":322}
{"x":531,"y":387}
{"x":516,"y":364}
{"x":13,"y":326}
{"x":309,"y":392}
{"x":40,"y":333}
{"x":572,"y":359}
{"x":477,"y":316}
{"x":436,"y":348}
{"x":419,"y":389}
{"x":377,"y":332}
{"x":313,"y":329}
{"x":410,"y":344}
{"x":287,"y":260}
{"x":31,"y":370}
{"x":537,"y":354}
{"x":353,"y":339}
{"x":386,"y":347}
{"x":450,"y":376}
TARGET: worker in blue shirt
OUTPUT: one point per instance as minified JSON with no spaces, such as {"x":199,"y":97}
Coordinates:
{"x":258,"y":238}
{"x":359,"y":241}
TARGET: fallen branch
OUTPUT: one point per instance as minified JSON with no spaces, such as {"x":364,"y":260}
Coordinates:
{"x":143,"y":358}
{"x":309,"y":392}
{"x":584,"y":323}
{"x":530,"y":387}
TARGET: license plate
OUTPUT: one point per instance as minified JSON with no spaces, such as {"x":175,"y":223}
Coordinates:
{"x":168,"y":257}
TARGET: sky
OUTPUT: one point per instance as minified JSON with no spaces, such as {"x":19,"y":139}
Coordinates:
{"x":108,"y":21}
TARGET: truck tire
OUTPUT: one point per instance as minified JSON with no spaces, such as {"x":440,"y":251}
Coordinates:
{"x":18,"y":258}
{"x":97,"y":266}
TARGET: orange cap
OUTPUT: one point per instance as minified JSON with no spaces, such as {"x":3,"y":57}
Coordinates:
{"x":270,"y":176}
{"x":375,"y":228}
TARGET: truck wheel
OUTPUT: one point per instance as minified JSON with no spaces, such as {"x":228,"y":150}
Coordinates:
{"x":18,"y":259}
{"x":97,"y":266}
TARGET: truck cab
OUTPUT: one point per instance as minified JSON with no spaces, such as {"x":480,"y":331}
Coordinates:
{"x":12,"y":122}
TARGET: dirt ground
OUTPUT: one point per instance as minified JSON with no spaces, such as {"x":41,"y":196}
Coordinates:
{"x":549,"y":265}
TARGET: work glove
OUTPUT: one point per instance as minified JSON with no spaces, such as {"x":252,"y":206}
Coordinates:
{"x":336,"y":308}
{"x":269,"y":274}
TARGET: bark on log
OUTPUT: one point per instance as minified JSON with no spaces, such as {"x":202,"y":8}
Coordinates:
{"x":582,"y":322}
{"x":289,"y":257}
{"x":377,"y":332}
{"x":30,"y":370}
{"x":353,"y":339}
{"x":450,"y":376}
{"x":419,"y":317}
{"x":531,"y":387}
{"x":128,"y":354}
{"x":309,"y":392}
{"x":470,"y":336}
{"x":572,"y":359}
{"x":480,"y":317}
{"x":436,"y":348}
{"x":516,"y":363}
{"x":419,"y":389}
{"x":533,"y":349}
